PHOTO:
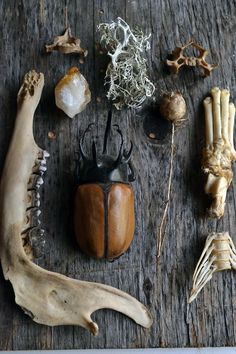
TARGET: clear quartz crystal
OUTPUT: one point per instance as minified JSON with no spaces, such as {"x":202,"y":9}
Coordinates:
{"x":72,"y":93}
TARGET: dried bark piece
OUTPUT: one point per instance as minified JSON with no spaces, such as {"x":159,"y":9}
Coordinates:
{"x":48,"y":298}
{"x":179,"y":59}
{"x":219,"y":152}
{"x":218,"y":254}
{"x":66,"y":44}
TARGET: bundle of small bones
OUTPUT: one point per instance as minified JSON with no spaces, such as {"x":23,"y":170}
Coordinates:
{"x":70,"y":301}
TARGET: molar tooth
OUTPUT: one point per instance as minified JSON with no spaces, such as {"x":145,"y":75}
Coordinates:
{"x":33,"y":199}
{"x":43,"y":154}
{"x":31,"y":219}
{"x":35,"y":181}
{"x":37,"y":241}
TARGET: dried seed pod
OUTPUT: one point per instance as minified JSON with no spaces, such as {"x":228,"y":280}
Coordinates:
{"x":72,"y":93}
{"x":173,"y":107}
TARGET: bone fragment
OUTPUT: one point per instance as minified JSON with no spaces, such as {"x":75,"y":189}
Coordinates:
{"x":66,"y":44}
{"x":218,"y":254}
{"x":219,"y":152}
{"x":49,"y":298}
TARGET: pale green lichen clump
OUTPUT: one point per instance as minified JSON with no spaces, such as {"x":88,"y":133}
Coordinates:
{"x":126,"y":74}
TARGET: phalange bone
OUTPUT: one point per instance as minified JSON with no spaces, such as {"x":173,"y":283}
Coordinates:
{"x":225,"y":114}
{"x":215,"y":92}
{"x":49,"y":298}
{"x":231,"y":128}
{"x":208,"y":121}
{"x":218,"y":156}
{"x":218,"y":254}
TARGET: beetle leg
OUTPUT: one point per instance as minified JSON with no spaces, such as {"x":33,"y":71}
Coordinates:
{"x":131,"y":176}
{"x":128,"y":154}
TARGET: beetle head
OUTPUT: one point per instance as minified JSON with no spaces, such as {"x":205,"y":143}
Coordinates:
{"x":105,"y":168}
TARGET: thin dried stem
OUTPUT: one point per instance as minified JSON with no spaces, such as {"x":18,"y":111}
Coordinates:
{"x":161,"y":233}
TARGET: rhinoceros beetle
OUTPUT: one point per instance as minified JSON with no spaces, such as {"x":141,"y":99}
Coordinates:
{"x":104,"y":217}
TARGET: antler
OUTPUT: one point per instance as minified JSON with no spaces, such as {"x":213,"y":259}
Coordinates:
{"x":49,"y":298}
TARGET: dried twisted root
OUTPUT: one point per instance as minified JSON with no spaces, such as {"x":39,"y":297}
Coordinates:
{"x":49,"y":298}
{"x":219,"y":152}
{"x":218,"y":254}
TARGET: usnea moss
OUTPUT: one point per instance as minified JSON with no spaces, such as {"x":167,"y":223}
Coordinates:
{"x":126,"y":74}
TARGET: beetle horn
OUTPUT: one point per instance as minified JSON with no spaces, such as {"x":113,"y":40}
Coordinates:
{"x":119,"y":158}
{"x":107,"y":131}
{"x":94,"y":152}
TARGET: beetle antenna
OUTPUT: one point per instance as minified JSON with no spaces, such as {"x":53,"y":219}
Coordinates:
{"x":127,"y":155}
{"x":107,"y":131}
{"x":94,"y":152}
{"x":119,"y":158}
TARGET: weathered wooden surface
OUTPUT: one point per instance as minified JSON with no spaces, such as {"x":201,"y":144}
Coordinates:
{"x":25,"y":27}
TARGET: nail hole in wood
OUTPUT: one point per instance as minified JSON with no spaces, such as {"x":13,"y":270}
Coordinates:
{"x":156,"y":128}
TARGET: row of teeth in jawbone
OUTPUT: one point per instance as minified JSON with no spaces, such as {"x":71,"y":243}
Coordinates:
{"x":32,"y":235}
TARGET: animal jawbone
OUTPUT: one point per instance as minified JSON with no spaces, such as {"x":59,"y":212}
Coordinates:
{"x":49,"y":298}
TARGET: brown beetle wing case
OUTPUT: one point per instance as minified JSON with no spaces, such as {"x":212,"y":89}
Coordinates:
{"x":104,"y":219}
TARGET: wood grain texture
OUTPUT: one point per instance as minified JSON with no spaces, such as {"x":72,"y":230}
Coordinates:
{"x":163,"y":286}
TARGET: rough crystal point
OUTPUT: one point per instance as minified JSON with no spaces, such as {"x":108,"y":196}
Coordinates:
{"x":72,"y":93}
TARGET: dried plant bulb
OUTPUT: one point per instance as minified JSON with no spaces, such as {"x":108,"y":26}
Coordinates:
{"x":173,"y":107}
{"x":218,"y":254}
{"x":72,"y":93}
{"x":219,"y":151}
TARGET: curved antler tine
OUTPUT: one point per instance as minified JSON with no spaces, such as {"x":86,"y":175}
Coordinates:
{"x":94,"y":152}
{"x":128,"y":154}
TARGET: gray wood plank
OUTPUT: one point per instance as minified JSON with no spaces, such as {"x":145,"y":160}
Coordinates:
{"x":164,"y":285}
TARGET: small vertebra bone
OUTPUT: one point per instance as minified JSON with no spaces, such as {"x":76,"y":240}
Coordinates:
{"x":179,"y":59}
{"x":66,"y":44}
{"x":218,"y":254}
{"x":219,"y":152}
